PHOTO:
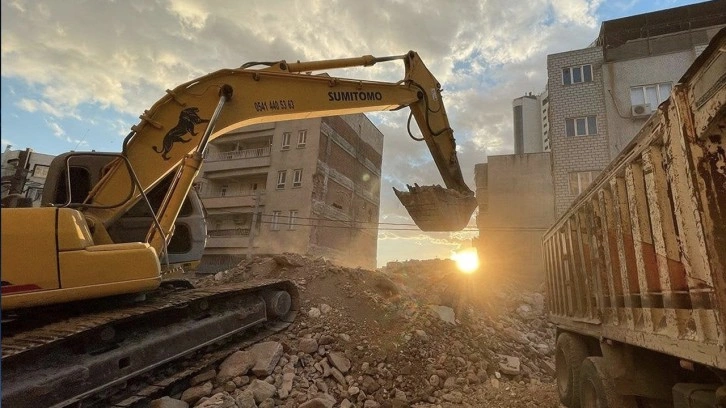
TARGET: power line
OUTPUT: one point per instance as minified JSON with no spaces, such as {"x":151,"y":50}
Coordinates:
{"x":287,"y":217}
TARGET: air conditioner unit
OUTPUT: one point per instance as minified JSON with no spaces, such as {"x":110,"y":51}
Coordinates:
{"x":641,"y":111}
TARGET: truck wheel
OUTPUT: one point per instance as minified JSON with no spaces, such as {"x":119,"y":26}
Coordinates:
{"x":570,"y":352}
{"x":597,"y":389}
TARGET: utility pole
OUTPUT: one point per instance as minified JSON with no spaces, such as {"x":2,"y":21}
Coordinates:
{"x":251,"y":241}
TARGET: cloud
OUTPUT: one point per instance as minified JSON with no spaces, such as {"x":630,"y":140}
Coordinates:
{"x":120,"y":56}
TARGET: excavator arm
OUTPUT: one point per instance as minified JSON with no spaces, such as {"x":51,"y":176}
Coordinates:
{"x":173,"y":134}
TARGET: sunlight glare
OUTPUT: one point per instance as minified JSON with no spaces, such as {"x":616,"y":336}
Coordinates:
{"x":467,"y":260}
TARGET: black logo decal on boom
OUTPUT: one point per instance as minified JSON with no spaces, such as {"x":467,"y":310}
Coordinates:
{"x":187,"y":119}
{"x":344,"y":96}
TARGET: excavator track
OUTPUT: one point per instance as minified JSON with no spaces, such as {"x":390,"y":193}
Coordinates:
{"x":63,"y":362}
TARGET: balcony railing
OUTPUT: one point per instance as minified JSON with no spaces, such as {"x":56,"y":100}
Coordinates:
{"x":237,"y":232}
{"x":229,"y":192}
{"x":239,"y":154}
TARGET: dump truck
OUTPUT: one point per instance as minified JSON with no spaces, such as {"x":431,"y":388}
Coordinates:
{"x":636,"y":267}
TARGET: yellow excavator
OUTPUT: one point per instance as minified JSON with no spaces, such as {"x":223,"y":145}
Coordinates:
{"x":75,"y":249}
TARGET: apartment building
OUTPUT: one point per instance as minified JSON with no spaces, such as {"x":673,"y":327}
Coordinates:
{"x":600,"y":96}
{"x":24,"y":173}
{"x":308,"y":186}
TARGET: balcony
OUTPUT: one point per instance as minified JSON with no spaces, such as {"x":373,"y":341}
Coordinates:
{"x":229,"y":198}
{"x":237,"y":159}
{"x":229,"y":238}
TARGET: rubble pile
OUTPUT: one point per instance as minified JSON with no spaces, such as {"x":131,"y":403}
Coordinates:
{"x":413,"y":334}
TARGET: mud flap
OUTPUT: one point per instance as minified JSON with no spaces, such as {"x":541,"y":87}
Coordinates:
{"x":434,"y":208}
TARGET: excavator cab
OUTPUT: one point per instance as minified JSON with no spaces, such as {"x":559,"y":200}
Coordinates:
{"x":72,"y":176}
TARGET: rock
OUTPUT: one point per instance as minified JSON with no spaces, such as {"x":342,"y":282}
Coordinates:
{"x":422,"y":335}
{"x":308,"y":345}
{"x":371,"y":404}
{"x":495,"y":383}
{"x":454,"y":397}
{"x":268,"y":403}
{"x":444,"y":313}
{"x":434,"y":380}
{"x":245,"y":399}
{"x":203,"y":377}
{"x":314,"y":312}
{"x":339,"y":361}
{"x":370,"y":385}
{"x":326,"y":339}
{"x":339,"y":377}
{"x":266,"y":355}
{"x":509,"y":365}
{"x":353,"y":390}
{"x":192,"y":395}
{"x":288,"y":259}
{"x":325,"y":309}
{"x":230,"y":386}
{"x":286,"y":386}
{"x":220,"y":400}
{"x":323,"y":401}
{"x":450,"y":383}
{"x":262,"y":390}
{"x":346,"y":404}
{"x":237,"y":364}
{"x":344,"y":337}
{"x":168,"y":402}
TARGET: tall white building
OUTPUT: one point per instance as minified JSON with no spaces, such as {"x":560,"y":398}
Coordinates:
{"x":527,"y":124}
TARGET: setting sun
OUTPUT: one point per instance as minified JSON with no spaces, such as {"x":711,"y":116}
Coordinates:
{"x":467,"y":260}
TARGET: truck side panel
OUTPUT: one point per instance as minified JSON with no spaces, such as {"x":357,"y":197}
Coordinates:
{"x":640,"y":257}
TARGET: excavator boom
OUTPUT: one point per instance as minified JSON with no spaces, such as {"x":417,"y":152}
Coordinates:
{"x":168,"y":132}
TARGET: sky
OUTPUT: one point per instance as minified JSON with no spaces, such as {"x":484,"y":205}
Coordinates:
{"x":76,"y":74}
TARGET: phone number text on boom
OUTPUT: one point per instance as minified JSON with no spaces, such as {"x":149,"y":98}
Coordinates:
{"x":281,"y":104}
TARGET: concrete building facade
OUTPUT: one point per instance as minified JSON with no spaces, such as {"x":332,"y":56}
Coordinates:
{"x":515,"y":197}
{"x":24,"y":173}
{"x":308,"y":186}
{"x":600,"y":96}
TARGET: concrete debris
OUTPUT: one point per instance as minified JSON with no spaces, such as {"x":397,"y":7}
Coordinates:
{"x":445,"y":313}
{"x":415,"y":334}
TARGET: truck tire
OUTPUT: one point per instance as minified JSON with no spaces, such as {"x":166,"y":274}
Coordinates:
{"x":597,"y":389}
{"x":569,"y":354}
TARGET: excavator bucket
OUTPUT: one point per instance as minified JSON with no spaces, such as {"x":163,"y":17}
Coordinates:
{"x":434,"y":208}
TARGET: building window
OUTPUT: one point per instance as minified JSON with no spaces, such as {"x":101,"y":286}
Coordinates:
{"x":275,"y":226}
{"x":584,"y":126}
{"x":286,"y":140}
{"x":579,"y":181}
{"x":281,"y":176}
{"x":653,"y":94}
{"x":297,"y":178}
{"x":302,"y":138}
{"x":576,"y":75}
{"x":292,"y":219}
{"x":223,"y":191}
{"x":40,"y":171}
